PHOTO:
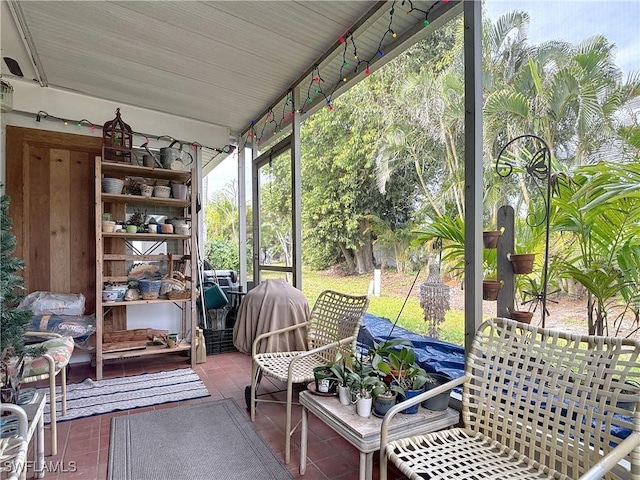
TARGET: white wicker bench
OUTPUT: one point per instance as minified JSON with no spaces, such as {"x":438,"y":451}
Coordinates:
{"x":536,"y":403}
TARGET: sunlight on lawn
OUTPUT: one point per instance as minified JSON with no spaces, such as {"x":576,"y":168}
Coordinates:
{"x":387,"y":305}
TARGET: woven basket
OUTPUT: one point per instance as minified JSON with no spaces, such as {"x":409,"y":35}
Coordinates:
{"x":175,"y":295}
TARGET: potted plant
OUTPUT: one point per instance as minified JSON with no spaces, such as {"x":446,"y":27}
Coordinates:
{"x":490,"y":284}
{"x":524,"y":287}
{"x":136,"y":220}
{"x":408,"y":377}
{"x":380,"y":353}
{"x":13,"y":322}
{"x":385,"y":396}
{"x":441,"y":401}
{"x":362,"y":383}
{"x":340,"y":370}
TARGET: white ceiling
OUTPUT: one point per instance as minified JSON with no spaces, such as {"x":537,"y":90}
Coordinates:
{"x":221,"y":62}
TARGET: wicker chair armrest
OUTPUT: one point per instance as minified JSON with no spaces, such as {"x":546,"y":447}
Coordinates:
{"x":384,"y":429}
{"x":18,"y":411}
{"x":259,"y":338}
{"x":49,"y":374}
{"x":42,"y":334}
{"x":610,"y":460}
{"x":317,"y":350}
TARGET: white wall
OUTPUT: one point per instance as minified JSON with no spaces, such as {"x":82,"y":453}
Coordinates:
{"x":29,"y":98}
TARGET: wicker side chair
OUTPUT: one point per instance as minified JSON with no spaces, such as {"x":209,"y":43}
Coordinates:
{"x":536,"y":403}
{"x":53,"y":361}
{"x":13,"y":449}
{"x":332,"y":327}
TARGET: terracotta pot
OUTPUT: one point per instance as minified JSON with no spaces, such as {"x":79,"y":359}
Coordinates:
{"x":522,"y":262}
{"x":521,"y":316}
{"x":490,"y":289}
{"x":490,"y":239}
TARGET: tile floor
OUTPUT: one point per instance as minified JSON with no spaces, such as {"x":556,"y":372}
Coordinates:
{"x":83,"y":444}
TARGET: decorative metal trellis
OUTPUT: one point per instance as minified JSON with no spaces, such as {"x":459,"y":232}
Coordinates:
{"x":537,"y":165}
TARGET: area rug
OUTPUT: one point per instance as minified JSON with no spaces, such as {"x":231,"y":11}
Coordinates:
{"x":211,"y":440}
{"x":93,"y":397}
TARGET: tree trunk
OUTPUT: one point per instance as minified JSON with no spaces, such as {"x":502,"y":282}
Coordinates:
{"x":364,"y":253}
{"x":348,"y":258}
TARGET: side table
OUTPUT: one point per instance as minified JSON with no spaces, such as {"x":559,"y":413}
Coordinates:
{"x":364,"y":433}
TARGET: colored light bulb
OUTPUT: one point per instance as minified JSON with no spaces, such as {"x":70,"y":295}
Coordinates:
{"x":367,"y":71}
{"x":342,"y":39}
{"x":426,"y":22}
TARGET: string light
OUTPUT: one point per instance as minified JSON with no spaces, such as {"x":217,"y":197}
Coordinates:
{"x":316,"y":84}
{"x":228,"y":149}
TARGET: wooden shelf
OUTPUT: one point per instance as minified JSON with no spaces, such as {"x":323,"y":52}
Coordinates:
{"x":160,"y":237}
{"x":114,"y":252}
{"x":140,"y":200}
{"x":121,"y":168}
{"x":124,"y":303}
{"x":150,"y":350}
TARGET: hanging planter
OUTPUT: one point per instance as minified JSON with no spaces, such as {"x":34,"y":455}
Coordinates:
{"x":522,"y":262}
{"x":490,"y":238}
{"x":490,"y":289}
{"x":521,"y":316}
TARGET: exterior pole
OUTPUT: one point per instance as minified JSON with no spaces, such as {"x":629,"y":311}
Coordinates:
{"x":473,"y":168}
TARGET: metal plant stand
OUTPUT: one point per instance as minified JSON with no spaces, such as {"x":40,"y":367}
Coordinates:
{"x":530,"y":155}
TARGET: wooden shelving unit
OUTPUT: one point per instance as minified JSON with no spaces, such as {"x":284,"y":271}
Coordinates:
{"x":114,"y":255}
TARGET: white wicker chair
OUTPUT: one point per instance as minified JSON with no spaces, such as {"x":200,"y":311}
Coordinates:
{"x":13,"y":450}
{"x":536,"y":403}
{"x":333,"y":325}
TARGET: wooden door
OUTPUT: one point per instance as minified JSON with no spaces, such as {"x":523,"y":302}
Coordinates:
{"x":50,"y":179}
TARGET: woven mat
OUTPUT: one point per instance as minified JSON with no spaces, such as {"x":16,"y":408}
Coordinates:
{"x":207,"y":441}
{"x":93,"y":397}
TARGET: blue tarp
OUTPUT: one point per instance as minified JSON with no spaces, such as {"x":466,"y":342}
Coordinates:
{"x":435,"y":356}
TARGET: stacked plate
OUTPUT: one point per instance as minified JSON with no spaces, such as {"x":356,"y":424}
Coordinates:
{"x":112,"y":185}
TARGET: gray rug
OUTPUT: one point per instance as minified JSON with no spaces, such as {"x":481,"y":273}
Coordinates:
{"x":208,"y":441}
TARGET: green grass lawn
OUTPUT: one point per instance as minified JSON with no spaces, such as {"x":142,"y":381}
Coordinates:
{"x":388,"y":304}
